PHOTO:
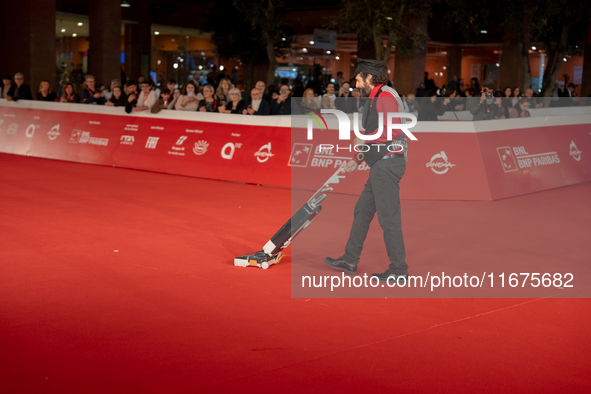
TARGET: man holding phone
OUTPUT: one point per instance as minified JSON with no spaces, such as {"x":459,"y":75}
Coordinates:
{"x":282,"y":104}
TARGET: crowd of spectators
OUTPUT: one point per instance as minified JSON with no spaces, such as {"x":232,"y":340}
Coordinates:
{"x":228,"y":96}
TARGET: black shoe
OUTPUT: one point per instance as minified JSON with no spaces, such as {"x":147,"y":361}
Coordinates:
{"x":341,"y":265}
{"x":390,"y":277}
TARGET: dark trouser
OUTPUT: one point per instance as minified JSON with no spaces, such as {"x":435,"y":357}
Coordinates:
{"x":381,"y":195}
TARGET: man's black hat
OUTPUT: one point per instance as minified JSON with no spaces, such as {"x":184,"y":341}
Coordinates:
{"x":369,"y":66}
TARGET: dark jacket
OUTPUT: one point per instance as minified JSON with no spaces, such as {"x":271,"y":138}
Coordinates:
{"x":283,"y":108}
{"x":22,"y":93}
{"x":429,"y":111}
{"x":264,"y":108}
{"x":347,"y":104}
{"x":129,"y":106}
{"x":239,"y":105}
{"x":50,"y":97}
{"x":119,"y":102}
{"x":88,"y":97}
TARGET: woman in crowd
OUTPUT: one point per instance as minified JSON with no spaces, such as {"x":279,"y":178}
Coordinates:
{"x":309,"y":101}
{"x":507,"y":100}
{"x":117,"y":98}
{"x":223,"y":89}
{"x":234,"y":103}
{"x":521,"y":109}
{"x":189,"y":100}
{"x":209,"y":102}
{"x":69,"y":95}
{"x":7,"y":84}
{"x":175,"y":96}
{"x":502,"y":112}
{"x":45,"y":93}
{"x":516,"y":96}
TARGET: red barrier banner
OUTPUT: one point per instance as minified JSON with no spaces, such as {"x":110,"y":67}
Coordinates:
{"x":480,"y":161}
{"x":232,"y":152}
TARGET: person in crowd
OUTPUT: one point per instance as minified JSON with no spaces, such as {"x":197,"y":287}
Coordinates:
{"x":45,"y":93}
{"x":171,"y":85}
{"x":330,"y":89}
{"x":461,"y":88}
{"x":233,"y":104}
{"x":339,"y":81}
{"x":140,"y":79}
{"x":453,"y":83}
{"x":256,"y":105}
{"x":6,"y":85}
{"x":282,"y":105}
{"x":176,"y":93}
{"x":147,"y":97}
{"x":502,"y":112}
{"x":77,"y":77}
{"x":107,"y":93}
{"x":309,"y":101}
{"x":430,"y":108}
{"x":223,"y":89}
{"x":567,"y":94}
{"x":189,"y":99}
{"x":521,"y":110}
{"x":536,"y":102}
{"x":470,"y":100}
{"x":132,"y":95}
{"x":475,"y":85}
{"x":273,"y":92}
{"x":118,"y":98}
{"x":346,"y":102}
{"x":242,"y":87}
{"x":20,"y":90}
{"x":210,"y":102}
{"x":359,"y":101}
{"x":409,"y":104}
{"x":327,"y":103}
{"x":421,"y":91}
{"x":506,"y":99}
{"x":69,"y":95}
{"x":261,"y":86}
{"x":486,"y":108}
{"x":456,"y":103}
{"x":90,"y":95}
{"x":162,"y":102}
{"x":515,"y":96}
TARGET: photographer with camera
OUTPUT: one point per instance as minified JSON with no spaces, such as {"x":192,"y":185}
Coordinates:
{"x":486,"y":109}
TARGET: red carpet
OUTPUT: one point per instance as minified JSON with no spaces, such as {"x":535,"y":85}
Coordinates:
{"x":122,"y":281}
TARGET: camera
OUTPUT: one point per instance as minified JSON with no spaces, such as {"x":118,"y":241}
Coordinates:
{"x":489,"y":96}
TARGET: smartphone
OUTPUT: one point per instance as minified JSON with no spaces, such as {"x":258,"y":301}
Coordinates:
{"x":190,"y":94}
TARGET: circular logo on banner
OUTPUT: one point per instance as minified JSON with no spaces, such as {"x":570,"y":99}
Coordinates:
{"x":439,"y":163}
{"x":264,"y":153}
{"x":574,"y":152}
{"x":200,"y":147}
{"x":54,"y":132}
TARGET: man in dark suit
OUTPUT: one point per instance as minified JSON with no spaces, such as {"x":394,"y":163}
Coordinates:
{"x":20,"y":90}
{"x":256,"y":105}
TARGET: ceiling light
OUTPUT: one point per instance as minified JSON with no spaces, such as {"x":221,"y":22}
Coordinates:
{"x":156,"y":33}
{"x":337,"y":57}
{"x":328,"y":52}
{"x":311,"y":42}
{"x":483,"y":31}
{"x":80,"y":23}
{"x":498,"y":64}
{"x":74,"y":35}
{"x":445,"y":67}
{"x":533,"y":48}
{"x":221,"y":68}
{"x":125,"y":4}
{"x":175,"y":65}
{"x":63,"y":30}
